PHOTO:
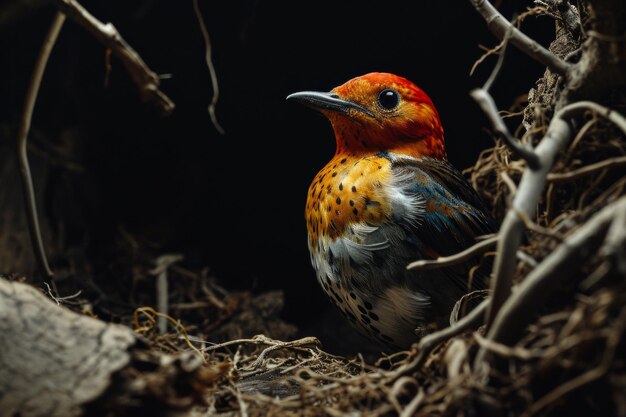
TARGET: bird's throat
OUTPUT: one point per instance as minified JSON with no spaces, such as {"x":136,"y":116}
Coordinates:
{"x":356,"y":142}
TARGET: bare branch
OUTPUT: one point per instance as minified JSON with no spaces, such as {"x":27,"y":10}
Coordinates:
{"x":611,"y":115}
{"x":162,"y":264}
{"x":538,"y":286}
{"x":499,"y":62}
{"x":488,"y":53}
{"x":457,"y":258}
{"x":209,"y":63}
{"x":499,"y":26}
{"x":508,"y":181}
{"x":588,"y":170}
{"x":470,"y":321}
{"x":486,"y":103}
{"x":558,"y":135}
{"x":426,"y":344}
{"x":532,"y":226}
{"x":27,"y":115}
{"x":145,"y":79}
{"x":503,"y":350}
{"x":614,"y":246}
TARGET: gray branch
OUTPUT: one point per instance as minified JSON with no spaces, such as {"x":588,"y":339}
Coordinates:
{"x":538,"y":286}
{"x":472,"y":321}
{"x":162,"y":264}
{"x":146,"y":80}
{"x":525,"y":201}
{"x":22,"y":142}
{"x":457,"y":258}
{"x":499,"y":26}
{"x":488,"y":106}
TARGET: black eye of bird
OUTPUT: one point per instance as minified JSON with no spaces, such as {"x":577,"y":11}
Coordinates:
{"x":388,"y":98}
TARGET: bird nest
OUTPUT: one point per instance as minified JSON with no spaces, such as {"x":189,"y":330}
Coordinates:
{"x":552,"y":345}
{"x":560,"y":349}
{"x":569,"y":356}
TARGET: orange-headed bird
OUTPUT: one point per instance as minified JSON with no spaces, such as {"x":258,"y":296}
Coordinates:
{"x":387,"y":198}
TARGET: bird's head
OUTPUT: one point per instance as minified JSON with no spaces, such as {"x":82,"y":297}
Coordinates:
{"x":380,"y":112}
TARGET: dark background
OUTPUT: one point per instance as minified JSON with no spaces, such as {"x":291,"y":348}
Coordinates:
{"x":234,"y":203}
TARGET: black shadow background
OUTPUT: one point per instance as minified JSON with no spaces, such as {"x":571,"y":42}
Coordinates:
{"x":235,"y":203}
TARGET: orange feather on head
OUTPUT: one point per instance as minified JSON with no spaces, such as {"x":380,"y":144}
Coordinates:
{"x":411,"y":126}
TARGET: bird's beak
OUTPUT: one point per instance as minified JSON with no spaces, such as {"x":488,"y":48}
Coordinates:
{"x":327,"y":101}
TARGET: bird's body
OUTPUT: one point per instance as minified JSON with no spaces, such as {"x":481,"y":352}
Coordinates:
{"x":387,"y":198}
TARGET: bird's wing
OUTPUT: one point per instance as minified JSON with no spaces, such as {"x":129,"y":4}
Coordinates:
{"x":452,"y":214}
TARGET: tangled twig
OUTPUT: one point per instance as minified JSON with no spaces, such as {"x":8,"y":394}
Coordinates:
{"x":22,"y":138}
{"x":558,"y":135}
{"x":516,"y":312}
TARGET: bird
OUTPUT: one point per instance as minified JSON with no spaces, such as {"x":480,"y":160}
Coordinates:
{"x":389,"y":197}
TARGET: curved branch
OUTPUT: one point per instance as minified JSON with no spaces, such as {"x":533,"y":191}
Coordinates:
{"x":525,"y":201}
{"x":457,"y":258}
{"x":611,"y":115}
{"x":538,"y":286}
{"x":145,"y":79}
{"x":22,"y":154}
{"x":488,"y":106}
{"x":587,"y":170}
{"x":499,"y":26}
{"x":470,"y":321}
{"x":530,"y":186}
{"x":211,"y":67}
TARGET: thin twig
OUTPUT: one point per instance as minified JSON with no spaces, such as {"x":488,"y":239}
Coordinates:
{"x":243,"y":407}
{"x":162,"y":264}
{"x":412,"y":406}
{"x":306,"y":341}
{"x":457,"y":258}
{"x":209,"y":63}
{"x":508,"y":181}
{"x":149,"y":312}
{"x":588,"y":170}
{"x":499,"y":26}
{"x":612,"y":342}
{"x":470,"y":321}
{"x":145,"y":79}
{"x":526,"y":258}
{"x":58,"y":299}
{"x":486,"y":103}
{"x":499,"y":63}
{"x":496,"y":50}
{"x":614,"y":247}
{"x":611,"y":115}
{"x":532,"y":226}
{"x":557,"y":136}
{"x":487,"y":54}
{"x":22,"y":137}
